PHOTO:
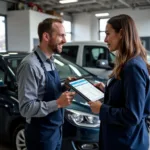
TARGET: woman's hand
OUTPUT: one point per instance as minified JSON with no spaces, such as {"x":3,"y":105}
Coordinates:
{"x":100,"y":86}
{"x":95,"y":106}
{"x":68,"y":80}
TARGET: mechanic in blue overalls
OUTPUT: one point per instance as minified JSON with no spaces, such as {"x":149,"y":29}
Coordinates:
{"x":41,"y":100}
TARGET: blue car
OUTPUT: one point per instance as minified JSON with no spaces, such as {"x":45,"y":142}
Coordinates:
{"x":81,"y":127}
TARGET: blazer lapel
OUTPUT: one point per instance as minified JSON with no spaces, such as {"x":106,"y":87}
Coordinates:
{"x":110,"y":81}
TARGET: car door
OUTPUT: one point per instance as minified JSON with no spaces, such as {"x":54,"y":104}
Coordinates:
{"x":93,"y":55}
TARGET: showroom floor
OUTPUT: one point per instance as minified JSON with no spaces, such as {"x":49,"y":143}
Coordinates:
{"x":3,"y":147}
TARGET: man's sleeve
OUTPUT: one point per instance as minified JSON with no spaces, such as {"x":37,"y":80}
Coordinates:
{"x":134,"y":91}
{"x":29,"y":104}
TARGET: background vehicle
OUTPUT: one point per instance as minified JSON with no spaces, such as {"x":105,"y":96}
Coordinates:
{"x":81,"y":127}
{"x":94,"y":56}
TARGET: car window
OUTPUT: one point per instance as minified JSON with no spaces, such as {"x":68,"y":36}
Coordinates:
{"x":14,"y":62}
{"x":96,"y":52}
{"x":5,"y":78}
{"x":93,"y":53}
{"x":111,"y":57}
{"x":70,"y":53}
{"x":65,"y":68}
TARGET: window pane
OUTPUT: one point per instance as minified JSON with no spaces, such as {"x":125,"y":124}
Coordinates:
{"x":102,"y":36}
{"x":68,"y":37}
{"x":91,"y":54}
{"x":67,"y":25}
{"x":2,"y":34}
{"x":102,"y":23}
{"x":70,"y":53}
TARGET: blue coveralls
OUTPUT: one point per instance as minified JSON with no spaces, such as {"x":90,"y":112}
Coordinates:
{"x":45,"y":133}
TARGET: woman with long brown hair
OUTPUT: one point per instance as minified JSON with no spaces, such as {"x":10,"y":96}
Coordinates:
{"x":126,"y":105}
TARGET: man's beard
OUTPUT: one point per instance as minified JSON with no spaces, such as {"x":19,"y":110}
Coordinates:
{"x":53,"y":48}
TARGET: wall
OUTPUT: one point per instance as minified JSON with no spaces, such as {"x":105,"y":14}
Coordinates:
{"x":34,"y":19}
{"x":81,"y":27}
{"x":22,"y":29}
{"x":141,"y":17}
{"x":18,"y":30}
{"x":3,"y":8}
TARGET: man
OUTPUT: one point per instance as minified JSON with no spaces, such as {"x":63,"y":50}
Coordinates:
{"x":39,"y":89}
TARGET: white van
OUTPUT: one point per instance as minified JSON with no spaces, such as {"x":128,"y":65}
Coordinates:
{"x":94,"y":56}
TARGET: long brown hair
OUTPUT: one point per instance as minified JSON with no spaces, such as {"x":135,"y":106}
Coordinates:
{"x":130,"y":45}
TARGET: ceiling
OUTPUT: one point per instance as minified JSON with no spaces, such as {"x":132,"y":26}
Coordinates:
{"x":90,"y":5}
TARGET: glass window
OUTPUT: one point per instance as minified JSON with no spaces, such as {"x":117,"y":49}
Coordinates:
{"x":102,"y":26}
{"x":67,"y":25}
{"x":70,"y":53}
{"x":66,"y":68}
{"x":5,"y":78}
{"x":102,"y":36}
{"x":93,"y":53}
{"x":2,"y":34}
{"x":68,"y":37}
{"x":14,"y":63}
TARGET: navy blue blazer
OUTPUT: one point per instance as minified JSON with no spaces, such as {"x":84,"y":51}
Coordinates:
{"x":125,"y":108}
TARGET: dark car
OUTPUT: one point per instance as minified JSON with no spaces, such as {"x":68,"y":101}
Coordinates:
{"x":81,"y":127}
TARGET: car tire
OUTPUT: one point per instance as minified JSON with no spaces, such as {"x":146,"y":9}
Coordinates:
{"x":19,"y":138}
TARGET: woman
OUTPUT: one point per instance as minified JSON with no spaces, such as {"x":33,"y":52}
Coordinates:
{"x":123,"y":125}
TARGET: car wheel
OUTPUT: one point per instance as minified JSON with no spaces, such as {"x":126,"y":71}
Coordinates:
{"x":19,"y":138}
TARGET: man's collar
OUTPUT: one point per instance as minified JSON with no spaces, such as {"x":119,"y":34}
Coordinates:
{"x":42,"y":55}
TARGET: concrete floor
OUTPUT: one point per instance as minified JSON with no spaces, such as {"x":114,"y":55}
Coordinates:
{"x":5,"y":147}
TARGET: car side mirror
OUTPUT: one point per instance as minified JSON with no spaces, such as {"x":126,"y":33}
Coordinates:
{"x":103,"y":63}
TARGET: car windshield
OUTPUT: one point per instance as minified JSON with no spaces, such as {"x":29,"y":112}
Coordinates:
{"x":65,"y":68}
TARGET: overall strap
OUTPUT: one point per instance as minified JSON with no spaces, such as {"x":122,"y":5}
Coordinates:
{"x":42,"y":64}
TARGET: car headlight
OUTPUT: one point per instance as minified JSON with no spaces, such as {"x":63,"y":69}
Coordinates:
{"x":82,"y":119}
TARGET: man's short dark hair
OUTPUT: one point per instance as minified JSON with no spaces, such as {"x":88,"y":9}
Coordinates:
{"x":46,"y":26}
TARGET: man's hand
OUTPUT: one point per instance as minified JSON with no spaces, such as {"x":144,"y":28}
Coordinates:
{"x":100,"y":86}
{"x":68,"y":80}
{"x":65,"y":99}
{"x":95,"y":106}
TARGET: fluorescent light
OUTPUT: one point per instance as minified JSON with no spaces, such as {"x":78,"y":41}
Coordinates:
{"x":67,"y":1}
{"x":102,"y":14}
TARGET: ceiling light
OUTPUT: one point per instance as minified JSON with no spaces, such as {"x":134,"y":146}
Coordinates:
{"x":102,"y":15}
{"x":67,"y":1}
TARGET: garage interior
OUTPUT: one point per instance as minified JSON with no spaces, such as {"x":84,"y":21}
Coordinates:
{"x":84,"y":20}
